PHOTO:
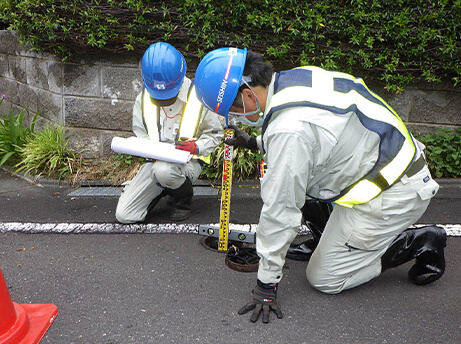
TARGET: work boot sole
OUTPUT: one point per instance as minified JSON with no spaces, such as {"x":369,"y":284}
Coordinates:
{"x":422,"y":275}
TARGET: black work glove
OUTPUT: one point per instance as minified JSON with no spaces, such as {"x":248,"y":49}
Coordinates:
{"x":241,"y":139}
{"x":263,"y":301}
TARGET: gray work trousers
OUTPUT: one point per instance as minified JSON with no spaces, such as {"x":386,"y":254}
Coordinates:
{"x":148,"y":183}
{"x":349,"y":252}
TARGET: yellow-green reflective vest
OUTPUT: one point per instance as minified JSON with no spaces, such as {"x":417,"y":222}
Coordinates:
{"x":190,"y":119}
{"x":341,"y":93}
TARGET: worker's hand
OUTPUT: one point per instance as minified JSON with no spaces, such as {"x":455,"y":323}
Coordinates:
{"x":263,"y":301}
{"x":241,"y":139}
{"x":188,"y":146}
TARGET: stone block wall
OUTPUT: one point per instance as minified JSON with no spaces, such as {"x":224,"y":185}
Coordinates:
{"x":93,"y":95}
{"x":428,"y":107}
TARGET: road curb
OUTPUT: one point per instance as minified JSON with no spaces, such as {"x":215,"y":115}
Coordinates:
{"x":144,"y":228}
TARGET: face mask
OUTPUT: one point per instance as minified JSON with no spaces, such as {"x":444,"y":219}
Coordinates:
{"x":246,"y":121}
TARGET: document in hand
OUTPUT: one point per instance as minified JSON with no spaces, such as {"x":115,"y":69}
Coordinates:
{"x":149,"y":149}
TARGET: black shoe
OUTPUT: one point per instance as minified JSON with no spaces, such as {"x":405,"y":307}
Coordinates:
{"x":426,"y":246}
{"x":302,"y":251}
{"x":182,"y":200}
{"x":430,"y":267}
{"x":315,"y":217}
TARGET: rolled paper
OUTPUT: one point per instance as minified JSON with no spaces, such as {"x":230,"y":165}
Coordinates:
{"x":149,"y":149}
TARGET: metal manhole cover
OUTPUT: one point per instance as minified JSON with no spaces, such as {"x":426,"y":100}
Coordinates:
{"x":116,"y":191}
{"x":96,"y":191}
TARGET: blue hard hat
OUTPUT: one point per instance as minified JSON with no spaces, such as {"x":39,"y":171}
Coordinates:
{"x":218,"y":78}
{"x":163,"y":69}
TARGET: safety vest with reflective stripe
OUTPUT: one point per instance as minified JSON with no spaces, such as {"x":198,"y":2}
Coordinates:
{"x":342,"y":93}
{"x":189,"y":119}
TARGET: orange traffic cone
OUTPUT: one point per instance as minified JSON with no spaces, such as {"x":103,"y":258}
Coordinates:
{"x":23,"y":323}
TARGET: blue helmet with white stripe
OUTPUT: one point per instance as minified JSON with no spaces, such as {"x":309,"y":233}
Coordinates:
{"x":218,"y":78}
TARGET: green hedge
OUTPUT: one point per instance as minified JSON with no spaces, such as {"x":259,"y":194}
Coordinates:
{"x":443,"y":152}
{"x":394,"y":41}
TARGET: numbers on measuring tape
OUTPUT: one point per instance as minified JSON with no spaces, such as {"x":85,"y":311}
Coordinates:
{"x":225,"y":195}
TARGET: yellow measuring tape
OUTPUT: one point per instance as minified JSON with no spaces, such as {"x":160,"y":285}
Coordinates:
{"x":225,"y":194}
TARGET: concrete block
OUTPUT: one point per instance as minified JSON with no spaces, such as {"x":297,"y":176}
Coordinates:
{"x":37,"y":73}
{"x":445,"y":84}
{"x":9,"y":87}
{"x":18,"y":71}
{"x":55,"y":76}
{"x":12,"y":45}
{"x":9,"y":42}
{"x":401,"y":103}
{"x":6,"y":107}
{"x":81,"y":80}
{"x":4,"y":70}
{"x":85,"y":141}
{"x":425,"y":129}
{"x":98,"y":113}
{"x":28,"y":97}
{"x":121,"y":83}
{"x":439,"y":107}
{"x":50,"y":105}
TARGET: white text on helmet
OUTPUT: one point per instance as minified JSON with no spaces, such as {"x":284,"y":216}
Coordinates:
{"x":221,"y":91}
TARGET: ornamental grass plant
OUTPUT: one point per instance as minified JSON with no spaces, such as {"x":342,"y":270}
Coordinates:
{"x":14,"y":134}
{"x":46,"y":154}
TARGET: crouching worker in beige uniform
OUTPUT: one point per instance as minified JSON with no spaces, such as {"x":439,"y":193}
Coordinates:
{"x":165,"y":110}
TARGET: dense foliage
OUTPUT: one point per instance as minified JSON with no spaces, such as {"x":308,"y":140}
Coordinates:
{"x":443,"y":152}
{"x":393,"y":41}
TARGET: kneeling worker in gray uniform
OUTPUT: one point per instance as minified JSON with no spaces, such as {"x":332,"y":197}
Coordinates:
{"x":167,"y":110}
{"x":326,"y":137}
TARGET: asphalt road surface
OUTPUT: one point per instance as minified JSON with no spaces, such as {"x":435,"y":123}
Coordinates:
{"x":169,"y":288}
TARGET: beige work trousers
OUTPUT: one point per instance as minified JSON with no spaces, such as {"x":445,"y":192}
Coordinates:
{"x":349,"y":252}
{"x":148,"y":183}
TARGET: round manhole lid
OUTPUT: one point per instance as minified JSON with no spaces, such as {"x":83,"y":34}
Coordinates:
{"x":243,"y":259}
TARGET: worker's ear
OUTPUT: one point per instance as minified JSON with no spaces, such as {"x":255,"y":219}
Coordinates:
{"x":249,"y":97}
{"x":246,"y":92}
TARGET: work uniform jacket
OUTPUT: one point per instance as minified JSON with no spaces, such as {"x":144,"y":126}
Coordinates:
{"x":208,"y":133}
{"x":163,"y":124}
{"x":322,"y":135}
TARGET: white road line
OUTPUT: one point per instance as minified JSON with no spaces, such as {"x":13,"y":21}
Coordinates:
{"x":148,"y":228}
